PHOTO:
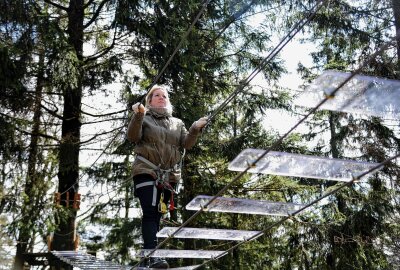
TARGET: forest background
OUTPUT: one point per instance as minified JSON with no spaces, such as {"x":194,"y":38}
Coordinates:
{"x":58,"y":61}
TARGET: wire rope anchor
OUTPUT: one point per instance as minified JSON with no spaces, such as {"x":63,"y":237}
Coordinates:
{"x":251,"y":164}
{"x":290,"y":218}
{"x":355,"y":178}
{"x":204,"y":208}
{"x":328,"y":93}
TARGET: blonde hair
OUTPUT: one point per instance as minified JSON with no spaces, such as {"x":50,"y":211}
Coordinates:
{"x":149,"y":95}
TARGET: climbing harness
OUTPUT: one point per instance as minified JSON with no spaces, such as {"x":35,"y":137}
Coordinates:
{"x":162,"y":182}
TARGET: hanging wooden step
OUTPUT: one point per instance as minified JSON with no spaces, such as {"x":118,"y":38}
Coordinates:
{"x":242,"y":206}
{"x":192,"y":267}
{"x":86,"y":261}
{"x":184,"y":254}
{"x":212,"y":234}
{"x":364,"y":95}
{"x":297,"y":165}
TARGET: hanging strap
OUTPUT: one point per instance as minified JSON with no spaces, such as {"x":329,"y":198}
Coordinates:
{"x":181,"y":161}
{"x":150,"y":183}
{"x":172,"y":203}
{"x":162,"y":178}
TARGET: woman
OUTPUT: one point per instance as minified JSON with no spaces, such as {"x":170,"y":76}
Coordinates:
{"x":159,"y":139}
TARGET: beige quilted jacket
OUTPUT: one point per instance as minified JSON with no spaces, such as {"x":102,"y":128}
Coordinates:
{"x":159,"y":138}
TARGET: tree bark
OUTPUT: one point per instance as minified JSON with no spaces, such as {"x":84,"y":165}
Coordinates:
{"x":396,"y":12}
{"x":68,"y":174}
{"x":333,"y":119}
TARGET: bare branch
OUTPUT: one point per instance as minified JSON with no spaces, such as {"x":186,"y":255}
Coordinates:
{"x":96,"y":14}
{"x":38,"y":134}
{"x":102,"y":121}
{"x":51,"y":112}
{"x":102,"y":115}
{"x":100,"y":134}
{"x":105,"y":51}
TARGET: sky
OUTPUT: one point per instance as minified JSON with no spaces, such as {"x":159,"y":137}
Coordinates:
{"x":292,"y":54}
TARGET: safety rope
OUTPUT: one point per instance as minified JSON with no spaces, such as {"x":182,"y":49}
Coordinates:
{"x":287,"y":38}
{"x":379,"y":51}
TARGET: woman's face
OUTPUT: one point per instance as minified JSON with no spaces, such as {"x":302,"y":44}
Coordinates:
{"x":159,"y":99}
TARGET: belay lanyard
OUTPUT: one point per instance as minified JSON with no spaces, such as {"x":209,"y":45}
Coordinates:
{"x":162,"y":207}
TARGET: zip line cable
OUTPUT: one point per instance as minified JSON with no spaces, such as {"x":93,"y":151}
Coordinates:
{"x":203,"y":208}
{"x":232,"y":19}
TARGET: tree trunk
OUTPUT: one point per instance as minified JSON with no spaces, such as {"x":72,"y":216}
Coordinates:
{"x":30,"y":210}
{"x":396,"y":12}
{"x":68,"y":174}
{"x":333,"y":119}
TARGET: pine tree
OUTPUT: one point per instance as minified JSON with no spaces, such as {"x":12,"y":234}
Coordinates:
{"x":356,"y":214}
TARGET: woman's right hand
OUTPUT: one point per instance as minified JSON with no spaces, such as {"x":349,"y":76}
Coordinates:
{"x":202,"y":122}
{"x":138,"y":107}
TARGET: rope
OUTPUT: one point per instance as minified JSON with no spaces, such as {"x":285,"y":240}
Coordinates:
{"x":304,"y":207}
{"x":380,"y":50}
{"x":297,"y":27}
{"x":204,"y":5}
{"x":183,"y":38}
{"x":250,"y":77}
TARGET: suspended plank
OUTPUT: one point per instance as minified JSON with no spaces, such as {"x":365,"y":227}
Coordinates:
{"x":298,"y":165}
{"x":173,"y":268}
{"x":174,"y":253}
{"x":186,"y":267}
{"x":86,"y":261}
{"x":213,"y":234}
{"x":362,"y":94}
{"x":243,"y":206}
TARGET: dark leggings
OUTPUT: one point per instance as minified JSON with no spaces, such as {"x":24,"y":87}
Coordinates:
{"x":151,"y":216}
